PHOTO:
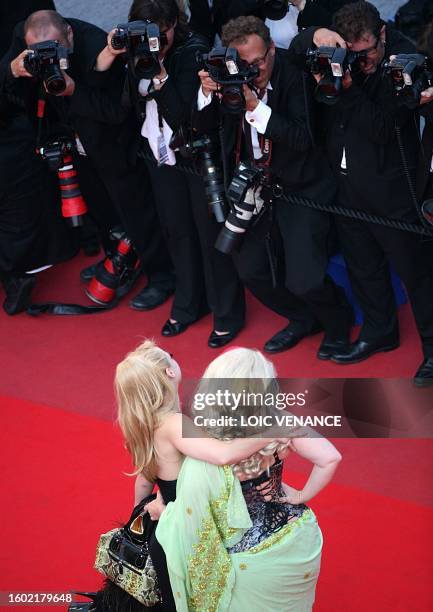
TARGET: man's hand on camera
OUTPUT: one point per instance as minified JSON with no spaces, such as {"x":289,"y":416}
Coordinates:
{"x":251,"y":100}
{"x":207,"y":84}
{"x":347,"y":80}
{"x":17,"y":66}
{"x":426,"y":96}
{"x":328,"y":38}
{"x":70,"y":86}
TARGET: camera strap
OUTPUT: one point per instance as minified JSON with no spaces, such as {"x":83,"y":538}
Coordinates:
{"x":265,"y":145}
{"x":40,"y":115}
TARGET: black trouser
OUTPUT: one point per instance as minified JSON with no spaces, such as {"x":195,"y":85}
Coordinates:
{"x":126,"y":199}
{"x":368,"y":249}
{"x":304,"y":293}
{"x":32,"y":231}
{"x":159,"y":561}
{"x":202,"y":273}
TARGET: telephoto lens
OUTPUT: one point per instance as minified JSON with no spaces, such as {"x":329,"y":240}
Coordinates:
{"x":73,"y":204}
{"x":246,"y":202}
{"x":214,"y":185}
{"x":112,"y":273}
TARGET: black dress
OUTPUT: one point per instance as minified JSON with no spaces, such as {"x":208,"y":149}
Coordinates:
{"x":168,"y":492}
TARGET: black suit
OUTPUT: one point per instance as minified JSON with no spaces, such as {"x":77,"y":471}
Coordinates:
{"x":12,"y":12}
{"x":299,"y":166}
{"x":204,"y":277}
{"x":32,"y":233}
{"x":363,"y":125}
{"x":115,"y":190}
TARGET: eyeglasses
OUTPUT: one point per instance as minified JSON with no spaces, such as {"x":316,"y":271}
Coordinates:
{"x":371,"y":50}
{"x":261,"y":60}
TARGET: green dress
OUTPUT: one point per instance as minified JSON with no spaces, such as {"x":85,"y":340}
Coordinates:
{"x":209,"y":516}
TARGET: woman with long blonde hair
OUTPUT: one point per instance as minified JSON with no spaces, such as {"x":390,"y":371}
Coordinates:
{"x":146,"y":385}
{"x":237,"y":538}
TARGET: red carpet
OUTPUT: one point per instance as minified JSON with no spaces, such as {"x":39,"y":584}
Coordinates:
{"x":63,"y":462}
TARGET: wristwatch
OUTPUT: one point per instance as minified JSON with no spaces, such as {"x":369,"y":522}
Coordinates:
{"x":157,"y":81}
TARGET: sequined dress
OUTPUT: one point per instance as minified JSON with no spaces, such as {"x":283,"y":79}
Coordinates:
{"x":267,"y":516}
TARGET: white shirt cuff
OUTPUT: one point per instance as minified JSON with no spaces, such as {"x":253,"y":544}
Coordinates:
{"x":259,"y":117}
{"x":202,"y":100}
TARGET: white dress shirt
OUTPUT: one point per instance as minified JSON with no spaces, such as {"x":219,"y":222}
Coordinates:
{"x":151,"y":129}
{"x":258,"y":118}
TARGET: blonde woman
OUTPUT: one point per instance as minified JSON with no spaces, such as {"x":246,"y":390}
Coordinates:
{"x":146,"y":386}
{"x":236,"y":538}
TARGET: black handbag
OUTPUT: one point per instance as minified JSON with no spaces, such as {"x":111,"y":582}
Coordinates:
{"x":122,"y":555}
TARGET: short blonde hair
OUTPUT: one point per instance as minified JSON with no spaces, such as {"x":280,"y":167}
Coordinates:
{"x":145,"y":395}
{"x":254,"y":374}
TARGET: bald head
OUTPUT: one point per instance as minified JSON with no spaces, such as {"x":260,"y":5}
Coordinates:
{"x":47,"y":25}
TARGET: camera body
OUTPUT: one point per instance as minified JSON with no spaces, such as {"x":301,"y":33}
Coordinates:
{"x":226,"y":68}
{"x":54,"y":151}
{"x":45,"y":61}
{"x":410,"y":75}
{"x":244,"y":205}
{"x":142,"y":41}
{"x":331,"y":63}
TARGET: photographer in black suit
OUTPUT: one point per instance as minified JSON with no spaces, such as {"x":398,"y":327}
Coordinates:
{"x":114,"y":190}
{"x":362,"y":132}
{"x":163,"y":102}
{"x":277,"y":125}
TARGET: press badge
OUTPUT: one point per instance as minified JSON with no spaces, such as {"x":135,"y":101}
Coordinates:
{"x":162,"y":150}
{"x":79,"y":145}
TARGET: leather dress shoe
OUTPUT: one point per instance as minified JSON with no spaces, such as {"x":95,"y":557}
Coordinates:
{"x":150,"y":297}
{"x":173,"y":329}
{"x":424,"y":374}
{"x":330,"y":347}
{"x":363,"y":349}
{"x":287,"y":338}
{"x":88,"y":273}
{"x":18,"y":291}
{"x":218,"y":340}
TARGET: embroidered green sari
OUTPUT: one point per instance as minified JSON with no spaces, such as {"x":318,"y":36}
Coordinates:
{"x":209,"y":516}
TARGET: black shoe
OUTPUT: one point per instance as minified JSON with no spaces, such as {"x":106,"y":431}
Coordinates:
{"x":18,"y":292}
{"x":127,"y":282}
{"x":287,"y":338}
{"x":331,"y":347}
{"x":424,"y":375}
{"x":88,"y":273}
{"x":218,"y":340}
{"x":363,"y":349}
{"x":173,"y":329}
{"x":150,"y":297}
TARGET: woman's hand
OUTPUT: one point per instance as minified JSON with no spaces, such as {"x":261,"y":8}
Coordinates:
{"x":291,"y":495}
{"x":155,"y":508}
{"x":108,"y":54}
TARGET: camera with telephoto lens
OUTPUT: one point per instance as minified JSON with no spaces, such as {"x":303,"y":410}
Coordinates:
{"x":58,"y":155}
{"x":331,"y":63}
{"x":244,"y":205}
{"x":207,"y":153}
{"x":226,"y":68}
{"x":410,"y":75}
{"x":46,"y":60}
{"x":143,"y":42}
